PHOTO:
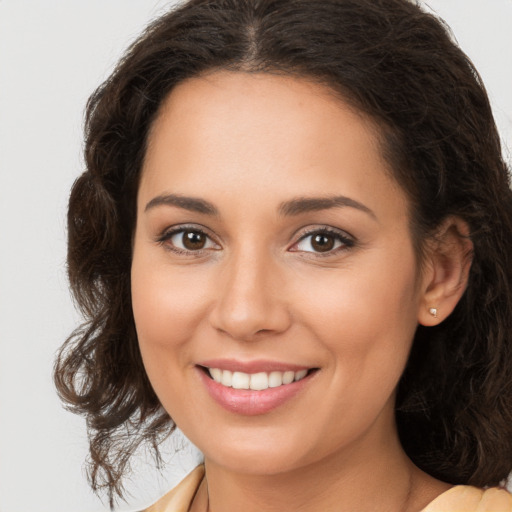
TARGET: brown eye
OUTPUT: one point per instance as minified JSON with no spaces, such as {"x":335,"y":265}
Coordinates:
{"x":193,"y":240}
{"x":322,"y":242}
{"x":188,"y":240}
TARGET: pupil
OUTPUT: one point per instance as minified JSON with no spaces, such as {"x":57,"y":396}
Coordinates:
{"x":193,"y":240}
{"x":322,"y":243}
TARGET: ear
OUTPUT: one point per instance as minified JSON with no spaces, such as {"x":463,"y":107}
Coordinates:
{"x":446,"y":269}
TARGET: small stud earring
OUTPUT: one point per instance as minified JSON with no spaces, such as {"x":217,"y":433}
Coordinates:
{"x":433,"y":312}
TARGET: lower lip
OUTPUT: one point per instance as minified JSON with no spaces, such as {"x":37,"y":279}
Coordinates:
{"x":252,"y":403}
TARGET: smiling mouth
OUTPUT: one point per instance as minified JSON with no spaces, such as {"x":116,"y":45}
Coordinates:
{"x":255,"y":381}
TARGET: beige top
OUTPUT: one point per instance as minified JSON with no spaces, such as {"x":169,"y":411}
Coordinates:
{"x":461,"y":498}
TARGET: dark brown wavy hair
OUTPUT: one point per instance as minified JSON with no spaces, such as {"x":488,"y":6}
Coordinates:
{"x":398,"y":66}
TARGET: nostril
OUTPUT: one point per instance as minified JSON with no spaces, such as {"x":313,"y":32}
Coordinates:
{"x":263,"y":331}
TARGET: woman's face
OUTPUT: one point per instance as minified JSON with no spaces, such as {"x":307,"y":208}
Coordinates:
{"x":272,"y":245}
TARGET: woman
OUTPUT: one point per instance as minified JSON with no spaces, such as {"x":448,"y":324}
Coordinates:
{"x":292,"y":238}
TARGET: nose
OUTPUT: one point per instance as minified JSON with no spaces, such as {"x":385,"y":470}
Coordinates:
{"x":251,"y":298}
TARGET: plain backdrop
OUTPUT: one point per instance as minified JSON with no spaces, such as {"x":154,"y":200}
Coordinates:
{"x":53,"y":53}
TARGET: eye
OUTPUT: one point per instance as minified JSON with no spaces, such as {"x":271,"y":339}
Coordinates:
{"x":323,"y":241}
{"x":188,"y":240}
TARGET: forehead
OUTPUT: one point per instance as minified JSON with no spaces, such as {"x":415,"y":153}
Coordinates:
{"x":261,"y":101}
{"x":234,"y":132}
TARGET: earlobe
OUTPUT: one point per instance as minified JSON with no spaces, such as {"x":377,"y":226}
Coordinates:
{"x":445,"y":278}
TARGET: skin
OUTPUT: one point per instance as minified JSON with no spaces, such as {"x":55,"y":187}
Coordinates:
{"x":258,"y":289}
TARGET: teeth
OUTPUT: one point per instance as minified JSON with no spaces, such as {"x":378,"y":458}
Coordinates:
{"x":255,"y":381}
{"x":227,"y":378}
{"x":259,"y":381}
{"x":275,"y":379}
{"x":289,"y":377}
{"x":240,"y":380}
{"x":300,"y":374}
{"x":216,"y":374}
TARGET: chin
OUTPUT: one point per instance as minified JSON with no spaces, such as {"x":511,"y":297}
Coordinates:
{"x":258,"y":452}
{"x":262,"y":462}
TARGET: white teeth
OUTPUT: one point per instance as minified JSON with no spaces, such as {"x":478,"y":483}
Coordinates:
{"x":240,"y":380}
{"x":227,"y":378}
{"x":289,"y":377}
{"x":275,"y":379}
{"x":259,"y":381}
{"x":300,"y":374}
{"x":216,"y":374}
{"x":255,"y":381}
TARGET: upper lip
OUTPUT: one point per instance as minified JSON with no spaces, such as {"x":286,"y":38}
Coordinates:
{"x":255,"y":366}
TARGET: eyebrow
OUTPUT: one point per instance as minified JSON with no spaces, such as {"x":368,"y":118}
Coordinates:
{"x":192,"y":204}
{"x":314,"y":204}
{"x":292,"y":207}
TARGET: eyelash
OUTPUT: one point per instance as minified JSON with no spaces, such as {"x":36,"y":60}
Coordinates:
{"x":346,"y":241}
{"x":167,"y":235}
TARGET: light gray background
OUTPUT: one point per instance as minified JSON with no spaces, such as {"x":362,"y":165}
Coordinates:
{"x":52,"y":55}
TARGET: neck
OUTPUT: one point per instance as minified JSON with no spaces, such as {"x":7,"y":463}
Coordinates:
{"x":356,"y":478}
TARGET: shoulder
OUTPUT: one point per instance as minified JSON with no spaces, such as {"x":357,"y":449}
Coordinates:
{"x":180,"y":497}
{"x":464,"y":498}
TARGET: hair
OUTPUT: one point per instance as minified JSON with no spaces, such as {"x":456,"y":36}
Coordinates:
{"x":398,"y":66}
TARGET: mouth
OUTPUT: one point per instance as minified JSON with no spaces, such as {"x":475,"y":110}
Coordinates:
{"x":261,"y":388}
{"x":255,"y":381}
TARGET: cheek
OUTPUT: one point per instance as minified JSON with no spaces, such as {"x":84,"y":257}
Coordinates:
{"x":366,"y":317}
{"x":167,"y":308}
{"x":166,"y":302}
{"x":353,"y":300}
{"x":168,"y":305}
